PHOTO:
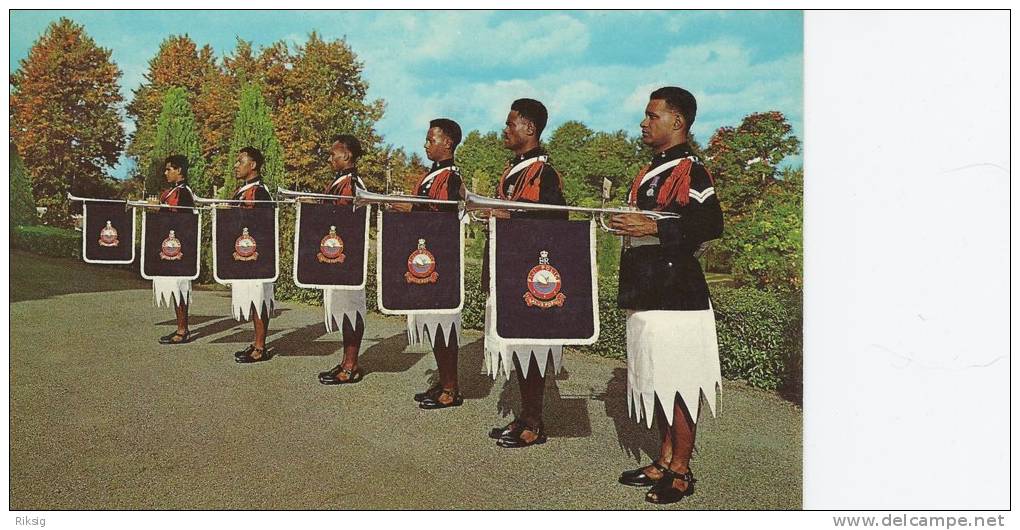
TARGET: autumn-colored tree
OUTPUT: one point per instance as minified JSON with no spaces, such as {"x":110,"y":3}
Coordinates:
{"x":179,"y":62}
{"x":176,"y":134}
{"x":22,"y":203}
{"x":64,"y":117}
{"x":253,"y":127}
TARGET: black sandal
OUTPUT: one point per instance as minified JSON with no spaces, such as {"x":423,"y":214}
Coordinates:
{"x":514,"y":439}
{"x":176,"y":338}
{"x":353,"y":376}
{"x":430,"y":403}
{"x":432,"y":393}
{"x":663,"y":491}
{"x":638,"y":477}
{"x":249,"y":357}
{"x":498,"y":432}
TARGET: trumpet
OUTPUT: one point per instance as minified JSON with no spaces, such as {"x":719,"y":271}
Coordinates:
{"x":132,"y":204}
{"x":474,"y":202}
{"x":309,"y":195}
{"x":363,"y":197}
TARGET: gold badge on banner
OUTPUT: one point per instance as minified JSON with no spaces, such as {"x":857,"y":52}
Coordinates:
{"x":171,"y":248}
{"x":544,"y":285}
{"x":244,"y":247}
{"x":421,"y":266}
{"x":108,"y":236}
{"x":331,"y":248}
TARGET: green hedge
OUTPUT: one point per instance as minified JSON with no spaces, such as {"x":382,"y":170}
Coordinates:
{"x":47,"y":240}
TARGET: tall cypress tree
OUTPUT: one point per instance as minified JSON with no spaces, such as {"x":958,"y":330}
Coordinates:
{"x":176,"y":134}
{"x":22,"y":202}
{"x":254,"y":127}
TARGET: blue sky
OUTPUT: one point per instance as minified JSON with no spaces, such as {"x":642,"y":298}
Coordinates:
{"x":594,"y":66}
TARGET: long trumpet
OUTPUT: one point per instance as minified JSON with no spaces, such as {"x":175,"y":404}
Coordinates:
{"x":474,"y":202}
{"x":309,"y":195}
{"x":363,"y":197}
{"x":132,"y":204}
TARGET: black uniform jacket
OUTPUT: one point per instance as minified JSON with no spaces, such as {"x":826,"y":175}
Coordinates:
{"x":667,"y":276}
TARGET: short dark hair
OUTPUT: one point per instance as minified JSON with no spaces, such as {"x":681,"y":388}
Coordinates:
{"x":449,"y":128}
{"x":533,"y":110}
{"x":351,"y":143}
{"x":255,"y":155}
{"x":178,"y":162}
{"x":680,"y":101}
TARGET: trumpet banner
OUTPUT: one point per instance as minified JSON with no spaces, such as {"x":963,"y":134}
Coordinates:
{"x":245,"y":243}
{"x":108,"y":233}
{"x":420,"y":263}
{"x":171,"y":244}
{"x":331,"y":246}
{"x":544,"y":280}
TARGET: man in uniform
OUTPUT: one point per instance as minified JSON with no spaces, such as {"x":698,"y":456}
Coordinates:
{"x":345,"y":308}
{"x":442,"y":182}
{"x":529,"y":177}
{"x":175,"y":291}
{"x":254,"y":297}
{"x":672,"y":350}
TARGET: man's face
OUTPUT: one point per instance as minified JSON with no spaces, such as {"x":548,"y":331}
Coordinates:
{"x":661,"y":125}
{"x":339,"y":156}
{"x":244,"y":167}
{"x":172,"y":174}
{"x":515,"y":134}
{"x":437,"y":145}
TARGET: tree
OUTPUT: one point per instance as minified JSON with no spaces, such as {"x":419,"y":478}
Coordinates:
{"x":482,"y":159}
{"x":22,"y":204}
{"x":253,"y":127}
{"x":176,"y":135}
{"x":766,"y":246}
{"x":745,"y":159}
{"x":179,"y":62}
{"x":64,"y":118}
{"x":566,"y":147}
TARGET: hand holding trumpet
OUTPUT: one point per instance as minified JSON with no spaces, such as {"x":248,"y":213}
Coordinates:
{"x":633,"y":225}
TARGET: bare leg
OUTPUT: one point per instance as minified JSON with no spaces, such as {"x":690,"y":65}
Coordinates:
{"x":182,"y":318}
{"x":532,"y":390}
{"x":352,"y":345}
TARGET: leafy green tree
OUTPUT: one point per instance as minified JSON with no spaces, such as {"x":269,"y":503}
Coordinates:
{"x":253,"y":127}
{"x":176,"y":134}
{"x":745,"y":159}
{"x":482,"y":159}
{"x":64,"y":116}
{"x":22,"y":202}
{"x":765,"y":246}
{"x":566,"y":146}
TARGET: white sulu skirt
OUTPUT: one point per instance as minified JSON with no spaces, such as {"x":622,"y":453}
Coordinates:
{"x":498,"y":351}
{"x":670,"y":352}
{"x":249,"y":294}
{"x":340,"y":304}
{"x":171,"y":292}
{"x":426,"y":328}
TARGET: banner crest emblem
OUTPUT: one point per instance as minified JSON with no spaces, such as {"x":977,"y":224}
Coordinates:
{"x":421,"y":266}
{"x":170,"y":249}
{"x":544,"y":285}
{"x":108,"y":236}
{"x":331,"y":248}
{"x":244,"y":247}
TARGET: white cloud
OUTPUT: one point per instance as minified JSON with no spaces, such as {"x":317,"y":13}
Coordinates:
{"x":727,"y":83}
